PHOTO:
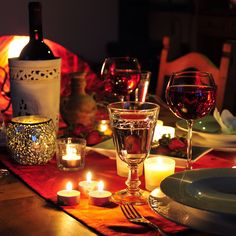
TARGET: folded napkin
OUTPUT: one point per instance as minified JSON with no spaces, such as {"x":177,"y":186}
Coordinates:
{"x":226,"y":121}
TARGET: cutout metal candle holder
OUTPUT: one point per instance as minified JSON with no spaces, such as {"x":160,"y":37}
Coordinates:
{"x":35,"y":87}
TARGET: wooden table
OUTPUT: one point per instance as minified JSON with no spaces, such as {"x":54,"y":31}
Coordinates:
{"x":23,"y":212}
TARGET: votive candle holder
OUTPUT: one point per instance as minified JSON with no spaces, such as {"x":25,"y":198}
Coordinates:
{"x":70,"y":153}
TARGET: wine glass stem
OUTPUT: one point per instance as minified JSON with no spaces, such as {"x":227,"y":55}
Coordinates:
{"x":133,"y":181}
{"x":3,"y":172}
{"x":189,"y":145}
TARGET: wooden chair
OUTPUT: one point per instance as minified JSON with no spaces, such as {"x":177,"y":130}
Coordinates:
{"x":197,"y":61}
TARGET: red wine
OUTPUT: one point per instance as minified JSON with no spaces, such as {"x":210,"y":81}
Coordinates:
{"x":36,"y":49}
{"x":190,"y":101}
{"x":122,"y":82}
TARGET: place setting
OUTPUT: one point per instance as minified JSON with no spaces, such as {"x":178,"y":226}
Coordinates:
{"x":218,"y":129}
{"x":201,"y":199}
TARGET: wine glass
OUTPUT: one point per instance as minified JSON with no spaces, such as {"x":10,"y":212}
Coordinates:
{"x":191,"y":95}
{"x":121,"y":76}
{"x":133,"y":125}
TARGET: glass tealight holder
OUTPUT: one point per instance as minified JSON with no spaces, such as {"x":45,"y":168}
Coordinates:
{"x":31,"y":139}
{"x":70,"y":153}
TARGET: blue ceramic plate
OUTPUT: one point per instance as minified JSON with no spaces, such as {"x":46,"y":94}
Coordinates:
{"x":211,"y":189}
{"x":200,"y":199}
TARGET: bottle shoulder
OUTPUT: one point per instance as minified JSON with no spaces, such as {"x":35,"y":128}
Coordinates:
{"x":36,"y":50}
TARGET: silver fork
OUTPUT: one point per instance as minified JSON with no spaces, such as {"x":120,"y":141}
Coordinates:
{"x":133,"y":216}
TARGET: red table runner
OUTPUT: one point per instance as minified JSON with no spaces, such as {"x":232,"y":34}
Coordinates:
{"x":46,"y":180}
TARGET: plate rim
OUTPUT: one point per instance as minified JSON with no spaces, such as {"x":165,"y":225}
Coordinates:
{"x":198,"y":175}
{"x":197,"y":219}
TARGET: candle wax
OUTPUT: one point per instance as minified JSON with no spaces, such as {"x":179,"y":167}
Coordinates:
{"x":68,"y":197}
{"x":99,"y":197}
{"x":157,"y":169}
{"x":70,"y":163}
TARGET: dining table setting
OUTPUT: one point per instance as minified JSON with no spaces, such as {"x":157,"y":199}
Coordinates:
{"x":123,"y":163}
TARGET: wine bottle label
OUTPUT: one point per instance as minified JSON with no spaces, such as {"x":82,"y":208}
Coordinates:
{"x":35,"y":88}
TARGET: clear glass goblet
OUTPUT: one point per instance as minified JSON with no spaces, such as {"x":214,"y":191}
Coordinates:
{"x":133,"y":125}
{"x":191,"y":95}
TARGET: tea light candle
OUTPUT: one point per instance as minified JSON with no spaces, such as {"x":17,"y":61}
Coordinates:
{"x":68,"y":197}
{"x":99,"y":197}
{"x":104,"y":127}
{"x":89,"y":184}
{"x":158,"y":194}
{"x":71,"y":159}
{"x":156,"y":169}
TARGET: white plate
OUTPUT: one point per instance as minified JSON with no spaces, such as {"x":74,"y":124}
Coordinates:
{"x":210,"y":189}
{"x":219,"y":144}
{"x":209,"y":129}
{"x":210,"y":222}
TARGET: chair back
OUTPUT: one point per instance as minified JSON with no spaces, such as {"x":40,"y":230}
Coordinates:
{"x":199,"y":62}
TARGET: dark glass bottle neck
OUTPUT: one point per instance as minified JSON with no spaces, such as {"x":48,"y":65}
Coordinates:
{"x":35,"y":21}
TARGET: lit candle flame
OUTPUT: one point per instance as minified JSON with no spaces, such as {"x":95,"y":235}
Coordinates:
{"x":69,"y":186}
{"x":70,"y":149}
{"x":71,"y":153}
{"x":89,"y":177}
{"x":100,"y":186}
{"x":103,"y":126}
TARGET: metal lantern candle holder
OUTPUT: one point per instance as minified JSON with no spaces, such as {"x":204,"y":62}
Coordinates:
{"x":31,"y":140}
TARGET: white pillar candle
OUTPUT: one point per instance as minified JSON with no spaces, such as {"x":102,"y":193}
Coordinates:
{"x":88,"y":185}
{"x":99,"y":197}
{"x":123,"y":169}
{"x":156,"y":169}
{"x":68,"y":197}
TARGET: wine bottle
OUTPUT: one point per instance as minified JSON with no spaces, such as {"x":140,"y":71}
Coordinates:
{"x":36,"y":49}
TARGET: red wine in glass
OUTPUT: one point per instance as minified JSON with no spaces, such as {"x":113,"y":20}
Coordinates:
{"x":191,"y":95}
{"x":191,"y":101}
{"x":121,"y":76}
{"x":122,"y":82}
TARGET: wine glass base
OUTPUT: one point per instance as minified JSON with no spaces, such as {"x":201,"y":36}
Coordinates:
{"x":3,"y":172}
{"x":125,"y":197}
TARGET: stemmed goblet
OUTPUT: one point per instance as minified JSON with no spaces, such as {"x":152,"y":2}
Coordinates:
{"x":133,"y":124}
{"x":191,"y":95}
{"x":121,"y":76}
